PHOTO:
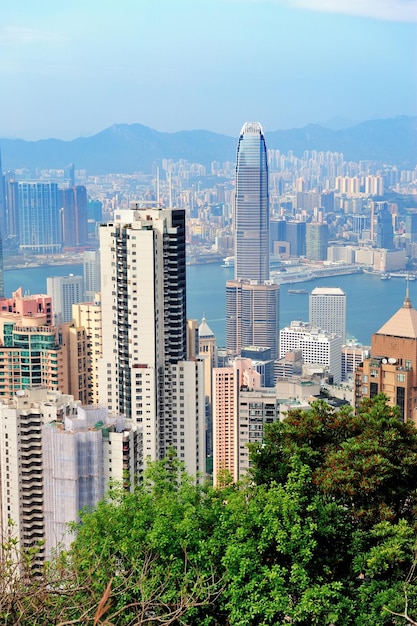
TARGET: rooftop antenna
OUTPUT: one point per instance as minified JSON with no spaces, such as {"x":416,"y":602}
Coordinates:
{"x":407,"y":301}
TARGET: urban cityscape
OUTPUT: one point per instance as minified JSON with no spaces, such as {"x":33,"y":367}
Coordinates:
{"x":208,"y":313}
{"x":105,"y":373}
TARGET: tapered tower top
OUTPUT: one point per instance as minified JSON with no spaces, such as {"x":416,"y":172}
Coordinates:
{"x":252,"y":127}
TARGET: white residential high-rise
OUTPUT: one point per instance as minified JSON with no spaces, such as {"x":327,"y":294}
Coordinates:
{"x":327,"y":310}
{"x":144,"y":373}
{"x":318,"y":347}
{"x":65,"y":291}
{"x":56,"y":458}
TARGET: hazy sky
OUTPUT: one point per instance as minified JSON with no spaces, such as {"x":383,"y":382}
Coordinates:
{"x":75,"y":67}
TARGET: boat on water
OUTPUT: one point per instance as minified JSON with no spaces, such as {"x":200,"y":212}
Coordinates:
{"x":229,"y":261}
{"x":385,"y":276}
{"x":294,"y":292}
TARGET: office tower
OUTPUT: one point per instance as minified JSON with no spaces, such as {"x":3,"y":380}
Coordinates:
{"x":327,"y":310}
{"x":318,"y":347}
{"x":384,"y":227}
{"x":411,"y":225}
{"x":73,"y":202}
{"x":317,"y":238}
{"x":64,"y":291}
{"x":252,"y":315}
{"x":392,"y":367}
{"x":91,"y":274}
{"x":296,"y":237}
{"x":251,"y":219}
{"x":143,"y":373}
{"x":252,"y":301}
{"x":39,"y":218}
{"x":277,"y":233}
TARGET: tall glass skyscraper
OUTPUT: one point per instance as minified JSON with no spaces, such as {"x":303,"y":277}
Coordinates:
{"x":252,"y":300}
{"x":252,"y":205}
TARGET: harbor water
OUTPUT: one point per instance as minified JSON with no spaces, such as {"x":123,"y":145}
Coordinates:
{"x":370,"y":300}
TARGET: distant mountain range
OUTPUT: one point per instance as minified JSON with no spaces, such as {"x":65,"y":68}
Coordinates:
{"x":128,"y":148}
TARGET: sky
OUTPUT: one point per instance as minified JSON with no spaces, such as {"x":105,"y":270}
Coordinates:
{"x":74,"y":68}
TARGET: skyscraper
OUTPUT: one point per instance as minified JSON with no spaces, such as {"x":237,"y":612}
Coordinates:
{"x":252,"y":300}
{"x":251,"y":216}
{"x":39,"y":217}
{"x":317,"y":237}
{"x":74,"y":219}
{"x":144,"y":373}
{"x":327,"y":310}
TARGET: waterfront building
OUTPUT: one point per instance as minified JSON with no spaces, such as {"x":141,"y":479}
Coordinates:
{"x":296,"y":237}
{"x":251,"y":218}
{"x":384,"y":226}
{"x":317,"y":237}
{"x":252,"y":315}
{"x":392,"y":367}
{"x":252,"y":300}
{"x":73,"y":202}
{"x":411,"y":225}
{"x":143,"y":372}
{"x":317,"y":346}
{"x":64,"y":291}
{"x":39,"y":218}
{"x":327,"y":310}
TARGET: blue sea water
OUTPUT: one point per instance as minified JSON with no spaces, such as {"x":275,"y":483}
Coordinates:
{"x":370,"y":301}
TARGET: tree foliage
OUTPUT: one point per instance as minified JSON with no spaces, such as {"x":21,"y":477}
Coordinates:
{"x":323,"y":532}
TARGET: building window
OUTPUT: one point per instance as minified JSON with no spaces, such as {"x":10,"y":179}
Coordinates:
{"x":401,"y":378}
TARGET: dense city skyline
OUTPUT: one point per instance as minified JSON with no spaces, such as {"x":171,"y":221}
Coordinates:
{"x":182,"y":65}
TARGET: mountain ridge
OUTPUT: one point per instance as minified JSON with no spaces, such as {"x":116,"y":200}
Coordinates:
{"x":128,"y":148}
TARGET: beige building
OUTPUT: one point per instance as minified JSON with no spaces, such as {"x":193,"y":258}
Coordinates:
{"x":88,"y":316}
{"x":392,"y":367}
